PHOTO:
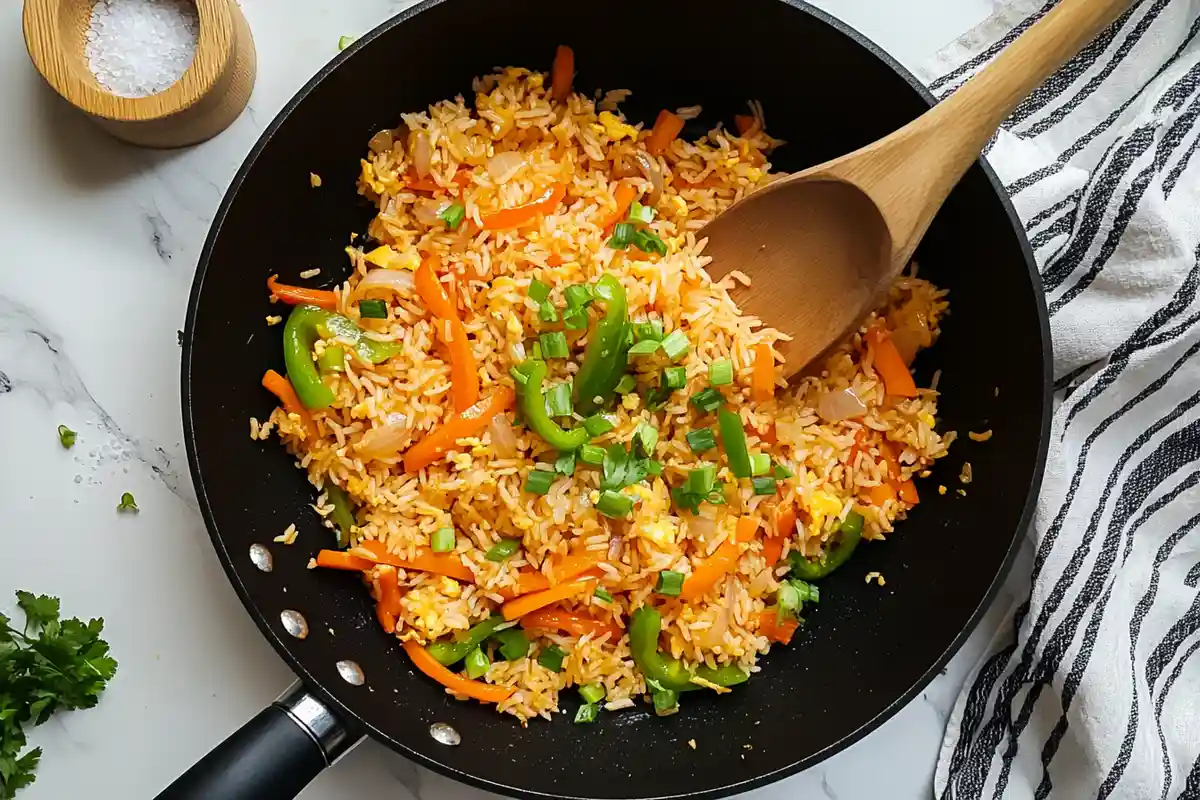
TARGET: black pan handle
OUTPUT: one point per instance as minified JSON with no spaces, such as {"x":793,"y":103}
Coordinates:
{"x":272,"y":757}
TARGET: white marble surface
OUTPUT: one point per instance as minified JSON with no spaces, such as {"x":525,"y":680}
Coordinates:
{"x":99,"y":245}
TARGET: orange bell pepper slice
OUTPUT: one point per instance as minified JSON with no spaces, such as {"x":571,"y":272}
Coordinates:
{"x":573,"y":622}
{"x":302,"y":295}
{"x":471,"y":422}
{"x":720,"y":563}
{"x":478,"y":690}
{"x":785,"y":526}
{"x":762,"y":378}
{"x":889,"y":364}
{"x":339,"y":559}
{"x":518,"y":215}
{"x":282,"y":388}
{"x":770,"y":626}
{"x":428,"y":184}
{"x":387,"y":605}
{"x":666,"y":128}
{"x":431,"y":291}
{"x":562,"y":73}
{"x":907,"y":490}
{"x":624,"y":196}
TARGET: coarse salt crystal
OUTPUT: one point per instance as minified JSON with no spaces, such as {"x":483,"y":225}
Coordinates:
{"x":137,"y":48}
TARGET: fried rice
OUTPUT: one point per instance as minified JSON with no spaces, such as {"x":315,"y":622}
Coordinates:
{"x":845,"y":442}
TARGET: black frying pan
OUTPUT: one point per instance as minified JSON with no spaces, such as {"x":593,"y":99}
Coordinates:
{"x":860,"y":657}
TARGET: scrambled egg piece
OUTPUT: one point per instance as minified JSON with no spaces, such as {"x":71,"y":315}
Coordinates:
{"x":368,"y":177}
{"x":514,"y":327}
{"x":821,"y":506}
{"x":927,"y":418}
{"x":661,"y":533}
{"x":387,"y":257}
{"x":616,"y":129}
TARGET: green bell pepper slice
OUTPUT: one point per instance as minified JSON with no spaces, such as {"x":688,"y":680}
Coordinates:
{"x":342,"y":515}
{"x":450,"y":653}
{"x":533,"y":410}
{"x":606,"y":356}
{"x":849,"y":535}
{"x":664,"y":671}
{"x":304,"y":326}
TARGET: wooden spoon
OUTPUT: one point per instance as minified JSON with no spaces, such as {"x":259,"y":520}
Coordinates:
{"x":822,"y":246}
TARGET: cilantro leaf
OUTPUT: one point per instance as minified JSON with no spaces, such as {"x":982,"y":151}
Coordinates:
{"x":40,"y":610}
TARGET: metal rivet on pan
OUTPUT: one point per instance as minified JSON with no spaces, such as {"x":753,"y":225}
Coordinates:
{"x":445,"y":734}
{"x":294,"y":623}
{"x":261,"y":557}
{"x":351,"y":673}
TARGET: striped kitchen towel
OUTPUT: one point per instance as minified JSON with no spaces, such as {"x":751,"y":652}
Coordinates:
{"x":1091,"y":688}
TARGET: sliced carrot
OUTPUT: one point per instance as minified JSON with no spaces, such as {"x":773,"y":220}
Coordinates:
{"x":431,"y":291}
{"x":744,"y":123}
{"x":282,"y":388}
{"x":448,"y":564}
{"x":570,"y":567}
{"x":719,"y":564}
{"x":428,"y":184}
{"x":666,"y":128}
{"x":301,"y":295}
{"x":464,"y":372}
{"x":518,"y":215}
{"x":478,"y":690}
{"x":520,"y":606}
{"x":471,"y":422}
{"x":387,"y":603}
{"x":624,"y":196}
{"x":562,"y":73}
{"x":770,"y":626}
{"x":573,"y":622}
{"x":762,"y":379}
{"x":338,"y":559}
{"x":889,"y":364}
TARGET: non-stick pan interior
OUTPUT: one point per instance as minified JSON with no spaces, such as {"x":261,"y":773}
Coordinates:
{"x":867,"y":648}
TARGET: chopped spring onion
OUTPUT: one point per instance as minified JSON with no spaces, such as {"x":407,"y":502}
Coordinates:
{"x":332,"y":359}
{"x":602,"y":594}
{"x":652,"y":329}
{"x":808,"y":591}
{"x":764,"y":486}
{"x":535,"y":352}
{"x":707,"y":400}
{"x":670,"y":583}
{"x":66,"y":436}
{"x":514,"y":644}
{"x":733,"y":440}
{"x":539,"y":292}
{"x":591,"y":692}
{"x":615,"y":505}
{"x":453,"y":215}
{"x":477,"y":663}
{"x":574,"y":319}
{"x":645,"y":439}
{"x":665,"y":701}
{"x":518,"y":376}
{"x":597,"y":425}
{"x":503,"y":549}
{"x":345,"y":41}
{"x":372,"y":309}
{"x":781,"y":472}
{"x":674,"y":377}
{"x":127,"y":503}
{"x":588,"y":712}
{"x":592,"y":455}
{"x":622,"y":235}
{"x":720,"y":372}
{"x":649,"y":242}
{"x":626,"y":385}
{"x":554,"y":345}
{"x":684,"y":499}
{"x":645,"y":347}
{"x":578,"y":295}
{"x":538,"y":481}
{"x":565,"y":463}
{"x":654,"y":468}
{"x":701,"y":440}
{"x":558,"y":400}
{"x":552,"y":657}
{"x":675,"y":345}
{"x":701,"y":480}
{"x":639,"y":213}
{"x":760,"y":464}
{"x":547,"y":312}
{"x":788,"y":600}
{"x":442,"y":540}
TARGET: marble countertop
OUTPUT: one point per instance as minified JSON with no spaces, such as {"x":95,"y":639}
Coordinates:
{"x":100,"y":242}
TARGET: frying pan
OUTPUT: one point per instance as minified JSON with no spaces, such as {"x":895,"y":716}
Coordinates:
{"x":861,"y":656}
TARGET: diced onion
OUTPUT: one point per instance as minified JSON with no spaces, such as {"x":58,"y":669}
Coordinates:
{"x":911,"y":334}
{"x":716,"y":634}
{"x":503,"y":166}
{"x":426,"y":211}
{"x":381,"y":142}
{"x":395,"y":280}
{"x":387,"y":440}
{"x":422,"y":155}
{"x":702,"y":528}
{"x":651,"y":170}
{"x":504,"y":440}
{"x":839,"y":405}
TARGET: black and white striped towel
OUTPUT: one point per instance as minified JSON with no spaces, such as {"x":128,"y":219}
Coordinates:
{"x":1092,"y":686}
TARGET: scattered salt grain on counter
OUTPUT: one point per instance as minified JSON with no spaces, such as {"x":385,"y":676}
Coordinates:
{"x":137,"y":48}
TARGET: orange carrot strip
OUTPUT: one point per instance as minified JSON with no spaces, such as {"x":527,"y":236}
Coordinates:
{"x":337,"y":559}
{"x":484,"y":692}
{"x":282,"y":388}
{"x":447,"y":564}
{"x":569,"y":568}
{"x":770,"y":626}
{"x":624,"y":196}
{"x":387,"y":605}
{"x":519,"y":607}
{"x":518,"y":215}
{"x":573,"y":622}
{"x":720,"y":563}
{"x":888,"y":363}
{"x":562,"y":73}
{"x":464,"y":372}
{"x":762,"y":379}
{"x":471,"y":422}
{"x":428,"y":184}
{"x":302,"y":295}
{"x":666,"y":128}
{"x":431,"y":291}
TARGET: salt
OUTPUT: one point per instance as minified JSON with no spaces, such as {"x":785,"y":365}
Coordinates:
{"x":137,"y":48}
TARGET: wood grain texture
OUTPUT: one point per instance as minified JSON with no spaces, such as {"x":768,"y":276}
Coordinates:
{"x":822,"y":245}
{"x":205,"y":100}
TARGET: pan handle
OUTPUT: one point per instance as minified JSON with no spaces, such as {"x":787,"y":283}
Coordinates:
{"x":272,"y":757}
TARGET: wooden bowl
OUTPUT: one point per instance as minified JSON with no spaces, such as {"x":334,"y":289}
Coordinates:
{"x":205,"y":100}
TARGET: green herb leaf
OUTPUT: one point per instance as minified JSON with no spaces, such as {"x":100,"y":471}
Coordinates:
{"x":66,"y":436}
{"x":127,"y":503}
{"x":453,"y":215}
